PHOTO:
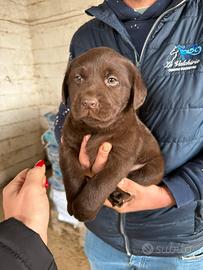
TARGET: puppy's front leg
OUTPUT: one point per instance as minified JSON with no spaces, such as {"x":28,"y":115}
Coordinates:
{"x":91,"y":198}
{"x":73,"y":176}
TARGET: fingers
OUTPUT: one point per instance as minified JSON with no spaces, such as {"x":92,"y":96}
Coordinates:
{"x":16,"y":184}
{"x":129,"y":186}
{"x":36,"y":177}
{"x":102,"y":157}
{"x":83,"y":156}
{"x":108,"y":204}
{"x":20,"y":178}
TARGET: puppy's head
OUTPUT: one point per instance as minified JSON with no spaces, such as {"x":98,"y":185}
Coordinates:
{"x":101,"y":84}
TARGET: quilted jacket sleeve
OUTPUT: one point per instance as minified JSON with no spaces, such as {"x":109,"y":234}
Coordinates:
{"x":186,"y":183}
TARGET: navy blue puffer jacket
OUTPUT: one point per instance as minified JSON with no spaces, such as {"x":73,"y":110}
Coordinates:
{"x":171,"y":64}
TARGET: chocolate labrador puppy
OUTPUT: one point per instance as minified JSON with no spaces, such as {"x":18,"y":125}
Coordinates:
{"x":105,"y":91}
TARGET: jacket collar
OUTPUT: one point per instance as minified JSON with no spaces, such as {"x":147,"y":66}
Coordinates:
{"x":176,"y":2}
{"x":105,"y":14}
{"x":104,"y":11}
{"x":125,"y":13}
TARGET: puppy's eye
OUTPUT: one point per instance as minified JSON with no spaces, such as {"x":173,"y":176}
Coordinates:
{"x":78,"y":78}
{"x":111,"y":81}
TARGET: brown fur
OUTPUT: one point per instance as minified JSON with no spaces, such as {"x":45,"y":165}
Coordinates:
{"x":105,"y":91}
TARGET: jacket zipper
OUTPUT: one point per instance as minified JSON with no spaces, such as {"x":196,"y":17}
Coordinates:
{"x":152,"y":29}
{"x":122,"y":230}
{"x":122,"y":216}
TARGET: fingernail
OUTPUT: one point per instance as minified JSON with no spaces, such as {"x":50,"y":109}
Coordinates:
{"x":106,"y":147}
{"x":46,"y":185}
{"x":40,"y":163}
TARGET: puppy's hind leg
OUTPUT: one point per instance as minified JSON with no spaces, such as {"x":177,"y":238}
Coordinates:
{"x":150,"y":174}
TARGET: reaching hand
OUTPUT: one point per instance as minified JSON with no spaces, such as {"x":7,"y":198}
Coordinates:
{"x":25,"y":199}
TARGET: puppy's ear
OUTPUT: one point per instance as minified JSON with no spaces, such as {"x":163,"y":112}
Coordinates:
{"x":65,"y":93}
{"x":139,"y":89}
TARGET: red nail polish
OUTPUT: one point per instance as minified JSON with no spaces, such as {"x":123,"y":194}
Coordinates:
{"x":40,"y":163}
{"x":46,"y":185}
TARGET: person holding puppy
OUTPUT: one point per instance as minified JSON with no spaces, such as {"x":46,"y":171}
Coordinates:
{"x":162,"y":227}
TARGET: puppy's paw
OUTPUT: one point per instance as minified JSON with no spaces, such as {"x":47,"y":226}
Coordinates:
{"x":118,"y":197}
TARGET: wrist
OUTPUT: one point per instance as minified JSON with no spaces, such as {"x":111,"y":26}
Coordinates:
{"x":29,"y":224}
{"x":36,"y":226}
{"x":44,"y":238}
{"x":42,"y":233}
{"x":166,"y":197}
{"x":160,"y":197}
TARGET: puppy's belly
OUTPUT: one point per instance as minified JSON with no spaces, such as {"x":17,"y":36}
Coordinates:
{"x":137,"y":166}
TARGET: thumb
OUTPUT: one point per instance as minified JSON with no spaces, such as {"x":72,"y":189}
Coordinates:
{"x":83,"y":155}
{"x":102,"y":157}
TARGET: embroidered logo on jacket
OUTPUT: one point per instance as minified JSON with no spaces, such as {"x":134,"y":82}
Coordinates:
{"x":184,"y":57}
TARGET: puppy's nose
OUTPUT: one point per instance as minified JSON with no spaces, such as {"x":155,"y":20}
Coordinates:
{"x":91,"y":103}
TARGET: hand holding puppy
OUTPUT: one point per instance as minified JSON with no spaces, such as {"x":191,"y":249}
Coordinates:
{"x":100,"y":160}
{"x":142,"y":198}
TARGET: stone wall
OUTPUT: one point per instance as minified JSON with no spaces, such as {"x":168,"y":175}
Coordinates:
{"x":34,"y":41}
{"x":51,"y":32}
{"x":19,"y":111}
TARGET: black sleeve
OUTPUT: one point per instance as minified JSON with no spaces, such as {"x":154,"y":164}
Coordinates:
{"x":22,"y":249}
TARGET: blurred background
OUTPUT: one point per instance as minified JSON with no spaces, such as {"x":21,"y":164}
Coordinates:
{"x":34,"y":42}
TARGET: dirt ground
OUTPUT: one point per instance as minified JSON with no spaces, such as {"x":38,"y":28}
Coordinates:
{"x":65,"y":243}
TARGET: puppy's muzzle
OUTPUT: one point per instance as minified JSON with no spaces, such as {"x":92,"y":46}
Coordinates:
{"x":90,"y":103}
